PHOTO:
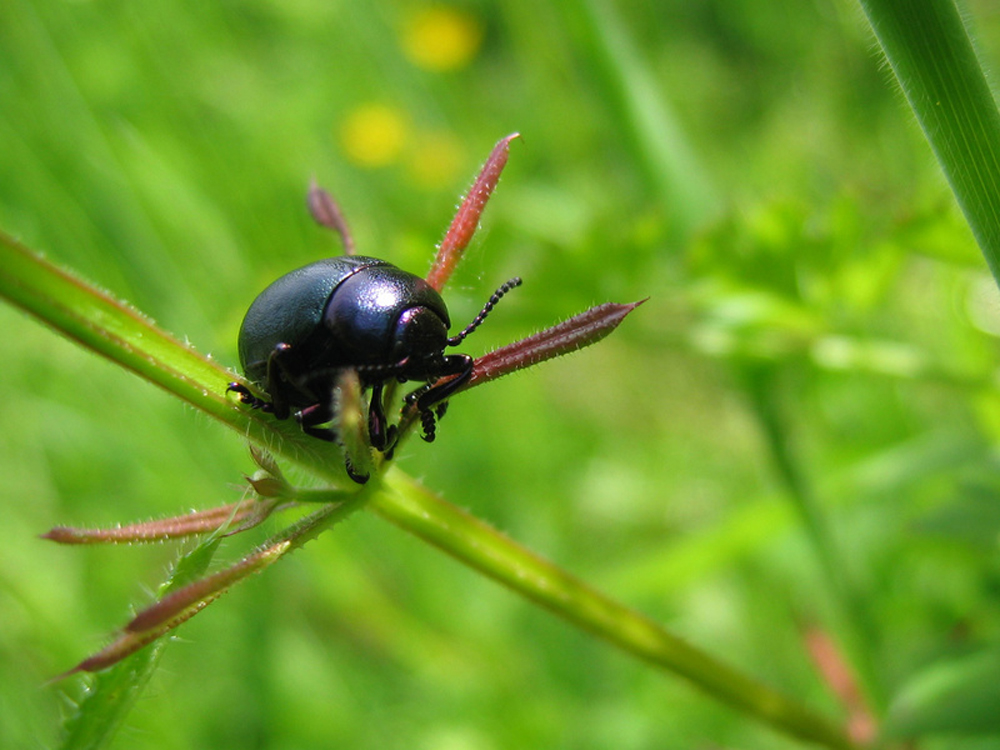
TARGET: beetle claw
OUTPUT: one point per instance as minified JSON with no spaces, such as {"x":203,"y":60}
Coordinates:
{"x":428,"y":425}
{"x":246,"y":397}
{"x":359,"y":478}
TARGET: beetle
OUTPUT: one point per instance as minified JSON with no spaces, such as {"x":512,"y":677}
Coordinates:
{"x":352,"y":312}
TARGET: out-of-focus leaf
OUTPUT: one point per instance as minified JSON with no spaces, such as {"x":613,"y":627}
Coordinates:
{"x":957,"y":695}
{"x":973,"y":518}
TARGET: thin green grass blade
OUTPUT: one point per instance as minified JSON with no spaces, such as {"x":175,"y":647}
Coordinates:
{"x":856,"y":625}
{"x":662,"y":149}
{"x":932,"y":56}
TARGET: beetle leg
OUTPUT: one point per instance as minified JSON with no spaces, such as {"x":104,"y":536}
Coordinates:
{"x":381,"y":434}
{"x":428,"y":425}
{"x":312,"y":416}
{"x":275,"y":365}
{"x":321,"y":413}
{"x":359,"y":478}
{"x":278,"y":376}
{"x":459,"y":365}
{"x":246,"y":397}
{"x":429,"y":420}
{"x":434,"y":395}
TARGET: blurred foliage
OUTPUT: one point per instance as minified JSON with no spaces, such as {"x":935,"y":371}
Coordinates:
{"x":747,"y":166}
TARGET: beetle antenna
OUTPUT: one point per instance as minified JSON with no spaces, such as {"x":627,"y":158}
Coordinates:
{"x":487,"y":308}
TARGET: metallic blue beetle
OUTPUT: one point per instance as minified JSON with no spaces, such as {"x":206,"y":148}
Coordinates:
{"x":351,"y":313}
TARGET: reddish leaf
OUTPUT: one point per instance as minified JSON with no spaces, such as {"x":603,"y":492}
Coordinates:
{"x":464,"y":225}
{"x":579,"y":331}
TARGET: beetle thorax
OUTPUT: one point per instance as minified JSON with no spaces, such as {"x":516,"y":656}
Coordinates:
{"x":383,"y":316}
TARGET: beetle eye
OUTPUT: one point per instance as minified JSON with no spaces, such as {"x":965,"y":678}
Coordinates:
{"x":420,"y":339}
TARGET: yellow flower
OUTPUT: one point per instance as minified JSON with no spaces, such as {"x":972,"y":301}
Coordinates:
{"x":441,"y":38}
{"x":373,"y":135}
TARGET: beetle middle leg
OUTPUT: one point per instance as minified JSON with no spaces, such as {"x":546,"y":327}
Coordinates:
{"x":381,"y":434}
{"x":313,"y":416}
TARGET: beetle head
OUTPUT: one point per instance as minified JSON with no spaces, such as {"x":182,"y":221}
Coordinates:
{"x":418,"y":344}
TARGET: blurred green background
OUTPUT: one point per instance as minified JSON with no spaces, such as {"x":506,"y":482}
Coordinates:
{"x":749,"y":167}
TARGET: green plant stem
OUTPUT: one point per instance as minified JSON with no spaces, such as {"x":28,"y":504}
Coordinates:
{"x":857,"y":627}
{"x":91,"y":317}
{"x":407,"y":504}
{"x":112,"y":328}
{"x":934,"y":61}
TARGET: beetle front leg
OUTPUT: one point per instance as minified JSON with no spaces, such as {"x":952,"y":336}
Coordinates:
{"x":459,"y":365}
{"x":429,"y":396}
